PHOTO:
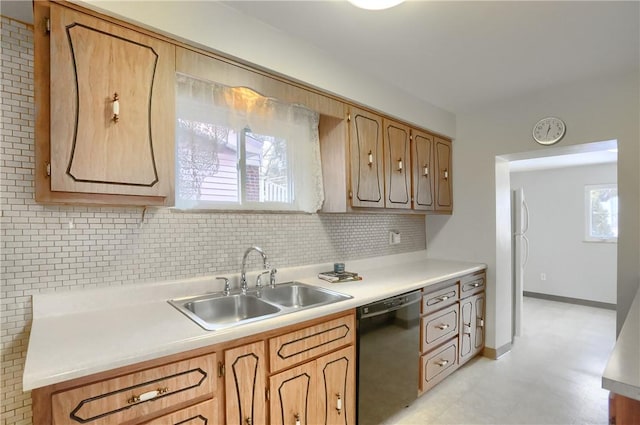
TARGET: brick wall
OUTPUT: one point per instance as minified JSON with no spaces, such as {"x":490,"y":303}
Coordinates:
{"x":58,"y":248}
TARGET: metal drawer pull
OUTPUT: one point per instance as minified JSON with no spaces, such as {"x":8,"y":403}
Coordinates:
{"x":443,"y":298}
{"x":467,"y":328}
{"x":425,"y":170}
{"x":442,"y":363}
{"x":147,"y":396}
{"x":248,"y":421}
{"x":475,"y":285}
{"x":116,"y":107}
{"x":442,"y":326}
{"x":297,"y":416}
{"x":370,"y":157}
{"x":400,"y":164}
{"x":480,"y":322}
{"x":445,"y":174}
{"x":339,"y":403}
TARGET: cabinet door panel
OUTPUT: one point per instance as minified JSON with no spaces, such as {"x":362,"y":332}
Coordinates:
{"x":245,"y":374}
{"x":293,"y":396}
{"x":444,"y":197}
{"x":201,"y":414}
{"x":397,"y":165}
{"x":365,"y":135}
{"x":466,"y":326}
{"x":478,"y":330}
{"x":423,"y":171}
{"x":336,"y":389}
{"x":137,"y":394}
{"x":91,"y":151}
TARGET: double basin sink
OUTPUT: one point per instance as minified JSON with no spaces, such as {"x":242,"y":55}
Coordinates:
{"x":218,"y":311}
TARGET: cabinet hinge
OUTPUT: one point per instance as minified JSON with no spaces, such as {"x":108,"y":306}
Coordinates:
{"x":267,"y":394}
{"x":48,"y":169}
{"x":220,"y":369}
{"x":47,"y":25}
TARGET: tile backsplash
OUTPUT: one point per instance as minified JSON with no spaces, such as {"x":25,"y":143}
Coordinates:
{"x":57,"y":248}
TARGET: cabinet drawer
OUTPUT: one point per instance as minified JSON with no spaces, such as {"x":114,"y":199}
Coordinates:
{"x":436,"y":300}
{"x":438,"y":364}
{"x":297,"y":346}
{"x":472,"y":284}
{"x":200,"y":414}
{"x":137,"y":394}
{"x":439,"y":327}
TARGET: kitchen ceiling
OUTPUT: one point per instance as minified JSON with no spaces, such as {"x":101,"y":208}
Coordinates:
{"x":460,"y":55}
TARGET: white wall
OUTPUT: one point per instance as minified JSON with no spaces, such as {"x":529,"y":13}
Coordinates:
{"x":223,"y":29}
{"x":594,"y":110}
{"x":573,"y":268}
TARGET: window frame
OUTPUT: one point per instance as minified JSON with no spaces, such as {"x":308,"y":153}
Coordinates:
{"x":588,"y":214}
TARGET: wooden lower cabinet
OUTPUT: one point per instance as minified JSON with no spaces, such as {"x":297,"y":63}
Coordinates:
{"x":471,"y":326}
{"x":317,"y":392}
{"x":623,"y":410}
{"x":201,"y":414}
{"x":132,"y":396}
{"x":244,"y":384}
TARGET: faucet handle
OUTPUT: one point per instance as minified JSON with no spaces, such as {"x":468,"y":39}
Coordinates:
{"x":259,"y":278}
{"x":227,"y":286}
{"x":272,"y":277}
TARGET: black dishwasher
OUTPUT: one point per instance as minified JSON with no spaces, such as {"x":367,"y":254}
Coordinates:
{"x":388,"y":356}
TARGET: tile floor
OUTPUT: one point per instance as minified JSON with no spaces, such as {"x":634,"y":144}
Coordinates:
{"x":551,"y":376}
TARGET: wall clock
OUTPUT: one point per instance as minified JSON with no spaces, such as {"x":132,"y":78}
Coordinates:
{"x":549,"y":130}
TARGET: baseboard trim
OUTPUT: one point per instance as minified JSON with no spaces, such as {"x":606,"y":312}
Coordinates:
{"x":496,"y":353}
{"x":578,"y":301}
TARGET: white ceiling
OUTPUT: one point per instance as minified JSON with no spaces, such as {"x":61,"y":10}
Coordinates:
{"x":462,"y":54}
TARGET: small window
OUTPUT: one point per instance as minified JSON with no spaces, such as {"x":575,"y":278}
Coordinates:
{"x":236,"y":149}
{"x":601,"y":213}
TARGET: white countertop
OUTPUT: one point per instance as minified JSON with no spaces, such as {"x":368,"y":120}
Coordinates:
{"x":622,"y":374}
{"x":78,"y":333}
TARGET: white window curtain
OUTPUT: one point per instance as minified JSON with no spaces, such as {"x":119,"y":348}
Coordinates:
{"x":204,"y":104}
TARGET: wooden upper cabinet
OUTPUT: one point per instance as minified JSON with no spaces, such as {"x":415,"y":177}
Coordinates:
{"x":112,"y":109}
{"x":397,"y":165}
{"x":443,"y":186}
{"x":423,"y":170}
{"x":366,"y":149}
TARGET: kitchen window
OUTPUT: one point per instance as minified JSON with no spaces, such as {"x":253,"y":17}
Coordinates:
{"x":601,"y":213}
{"x":236,"y":149}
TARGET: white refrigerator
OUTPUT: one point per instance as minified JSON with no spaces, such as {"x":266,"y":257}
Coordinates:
{"x":520,"y":218}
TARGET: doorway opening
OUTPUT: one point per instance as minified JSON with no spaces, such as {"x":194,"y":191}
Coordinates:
{"x":548,"y":253}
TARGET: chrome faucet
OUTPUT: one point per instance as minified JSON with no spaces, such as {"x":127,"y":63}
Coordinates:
{"x":243,"y":274}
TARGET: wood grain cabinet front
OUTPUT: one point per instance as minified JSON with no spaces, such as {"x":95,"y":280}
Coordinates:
{"x":366,"y":154}
{"x":245,"y":371}
{"x":472,"y":328}
{"x":205,"y":413}
{"x":438,"y":327}
{"x":317,"y":392}
{"x":397,"y":165}
{"x":304,"y":344}
{"x":136,"y":395}
{"x":444,"y":179}
{"x":111,"y":111}
{"x":438,"y":364}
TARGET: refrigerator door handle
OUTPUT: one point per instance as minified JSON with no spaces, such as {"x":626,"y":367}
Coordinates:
{"x":525,"y":251}
{"x":525,"y":225}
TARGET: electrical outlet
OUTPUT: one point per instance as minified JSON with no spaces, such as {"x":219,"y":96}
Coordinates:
{"x":543,"y":276}
{"x":394,"y":238}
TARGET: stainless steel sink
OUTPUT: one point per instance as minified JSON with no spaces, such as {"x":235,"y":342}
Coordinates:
{"x":298,"y":295}
{"x":218,"y":311}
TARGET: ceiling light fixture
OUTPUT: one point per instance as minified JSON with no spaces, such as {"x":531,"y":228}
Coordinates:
{"x":375,"y":4}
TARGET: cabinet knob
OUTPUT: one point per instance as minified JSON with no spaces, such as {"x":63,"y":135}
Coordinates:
{"x":400,"y":164}
{"x":370,"y":159}
{"x":425,"y":170}
{"x":248,"y":421}
{"x":297,"y":417}
{"x":339,"y":403}
{"x":445,"y":174}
